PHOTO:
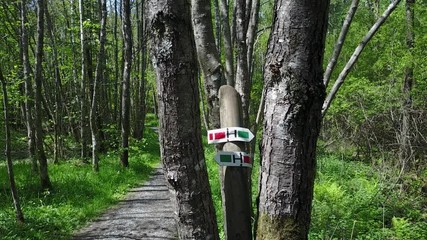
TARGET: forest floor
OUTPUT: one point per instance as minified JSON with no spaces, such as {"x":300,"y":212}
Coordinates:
{"x":145,"y":213}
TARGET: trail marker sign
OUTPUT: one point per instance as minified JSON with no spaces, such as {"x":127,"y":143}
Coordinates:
{"x":234,"y":159}
{"x":230,"y":134}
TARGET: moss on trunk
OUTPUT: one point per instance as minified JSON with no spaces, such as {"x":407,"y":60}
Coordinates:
{"x":279,"y":227}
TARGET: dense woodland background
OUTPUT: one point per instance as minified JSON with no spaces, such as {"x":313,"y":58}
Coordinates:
{"x":74,"y":90}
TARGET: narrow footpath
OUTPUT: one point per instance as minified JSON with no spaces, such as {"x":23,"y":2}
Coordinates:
{"x":145,"y":213}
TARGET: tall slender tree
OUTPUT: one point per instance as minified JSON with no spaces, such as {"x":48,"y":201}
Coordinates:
{"x":29,"y":94}
{"x":41,"y":155}
{"x":57,"y":140}
{"x":125,"y":108}
{"x":140,"y":109}
{"x":242,"y":79}
{"x":174,"y":59}
{"x":83,"y":85}
{"x":208,"y":56}
{"x":294,"y":94}
{"x":99,"y":75}
{"x":15,"y":197}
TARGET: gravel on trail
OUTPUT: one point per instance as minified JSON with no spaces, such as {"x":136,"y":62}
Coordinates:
{"x":145,"y":213}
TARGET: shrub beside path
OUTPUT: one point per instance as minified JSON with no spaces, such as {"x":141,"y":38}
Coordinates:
{"x":145,"y":213}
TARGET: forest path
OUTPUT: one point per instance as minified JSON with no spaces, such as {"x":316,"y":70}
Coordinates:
{"x":145,"y":213}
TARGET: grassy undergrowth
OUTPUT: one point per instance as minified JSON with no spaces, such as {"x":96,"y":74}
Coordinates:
{"x":353,"y":200}
{"x":79,"y":194}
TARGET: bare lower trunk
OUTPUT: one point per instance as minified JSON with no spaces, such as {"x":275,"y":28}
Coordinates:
{"x":294,"y":93}
{"x":174,"y":59}
{"x":41,"y":156}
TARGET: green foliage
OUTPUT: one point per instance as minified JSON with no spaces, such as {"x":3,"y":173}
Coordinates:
{"x":79,"y":194}
{"x":367,"y":111}
{"x":354,"y":201}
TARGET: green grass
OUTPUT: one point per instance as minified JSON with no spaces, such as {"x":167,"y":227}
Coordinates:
{"x":353,"y":200}
{"x":79,"y":194}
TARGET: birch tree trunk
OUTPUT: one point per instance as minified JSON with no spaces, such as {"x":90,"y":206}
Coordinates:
{"x":125,"y":123}
{"x":294,"y":93}
{"x":99,"y":75}
{"x":9,"y":164}
{"x":174,"y":59}
{"x":83,"y":100}
{"x":208,"y":56}
{"x":29,"y":104}
{"x":41,"y":155}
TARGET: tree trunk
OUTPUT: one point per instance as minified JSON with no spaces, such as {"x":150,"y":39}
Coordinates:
{"x":405,"y":147}
{"x":294,"y":93}
{"x":116,"y":66}
{"x":347,"y":68}
{"x":228,"y":44}
{"x":41,"y":156}
{"x":57,"y":146}
{"x":127,"y":35}
{"x":250,"y":35}
{"x":29,"y":104}
{"x":99,"y":75}
{"x":140,"y":95}
{"x":208,"y":56}
{"x":243,"y":84}
{"x":174,"y":59}
{"x":16,"y":204}
{"x":218,"y":28}
{"x":74,"y":91}
{"x":83,"y":90}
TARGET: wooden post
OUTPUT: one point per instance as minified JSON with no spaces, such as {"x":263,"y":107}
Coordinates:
{"x":235,"y":181}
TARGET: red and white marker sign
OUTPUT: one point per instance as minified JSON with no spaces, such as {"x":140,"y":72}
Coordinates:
{"x":234,"y":159}
{"x":230,"y":134}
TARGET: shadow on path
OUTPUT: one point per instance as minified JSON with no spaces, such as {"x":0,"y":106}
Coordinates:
{"x":145,"y":213}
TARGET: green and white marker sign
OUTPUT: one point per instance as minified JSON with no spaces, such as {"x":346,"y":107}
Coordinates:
{"x":234,"y":159}
{"x":230,"y":134}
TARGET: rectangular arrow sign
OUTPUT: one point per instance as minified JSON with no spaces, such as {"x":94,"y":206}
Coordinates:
{"x":230,"y":134}
{"x":236,"y":159}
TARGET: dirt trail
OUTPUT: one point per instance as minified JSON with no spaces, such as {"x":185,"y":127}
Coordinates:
{"x":145,"y":213}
